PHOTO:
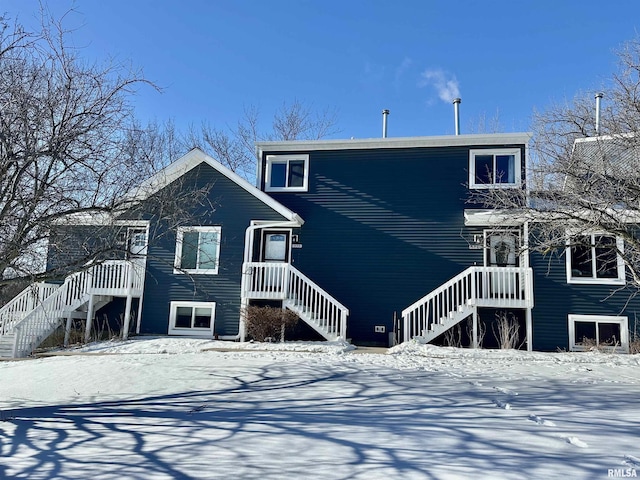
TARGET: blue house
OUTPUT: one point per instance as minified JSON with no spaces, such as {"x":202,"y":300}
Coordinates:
{"x":390,"y":231}
{"x":370,"y":240}
{"x":169,"y":277}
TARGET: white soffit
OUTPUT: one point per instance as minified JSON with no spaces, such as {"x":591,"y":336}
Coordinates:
{"x":484,"y":218}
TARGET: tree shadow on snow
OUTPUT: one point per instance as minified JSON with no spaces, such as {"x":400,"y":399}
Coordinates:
{"x":328,"y":422}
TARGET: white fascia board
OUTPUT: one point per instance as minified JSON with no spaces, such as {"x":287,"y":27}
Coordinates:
{"x":98,"y":219}
{"x":486,"y":218}
{"x":600,"y":138}
{"x":494,"y":139}
{"x":85,"y":218}
{"x":194,"y":158}
{"x":482,"y":217}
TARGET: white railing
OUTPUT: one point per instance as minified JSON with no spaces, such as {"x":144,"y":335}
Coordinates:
{"x":108,"y":278}
{"x":329,"y":314}
{"x":497,"y":287}
{"x":117,"y":278}
{"x":265,"y":280}
{"x":23,"y":303}
{"x":282,"y":281}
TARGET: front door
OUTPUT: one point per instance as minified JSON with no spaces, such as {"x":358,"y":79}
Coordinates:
{"x":275,"y":249}
{"x":136,"y":242}
{"x":502,"y":250}
{"x":275,"y":246}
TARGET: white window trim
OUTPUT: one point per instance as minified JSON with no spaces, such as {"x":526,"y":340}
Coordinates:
{"x":492,"y":151}
{"x":198,"y":271}
{"x":620,"y":280}
{"x":271,"y":159}
{"x":624,"y":330}
{"x":195,"y":332}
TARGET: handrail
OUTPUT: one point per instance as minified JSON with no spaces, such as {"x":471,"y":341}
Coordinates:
{"x":498,"y":287}
{"x":329,"y":313}
{"x":282,"y":281}
{"x":265,"y":280}
{"x":114,"y":277}
{"x":24,"y":302}
{"x":47,"y":314}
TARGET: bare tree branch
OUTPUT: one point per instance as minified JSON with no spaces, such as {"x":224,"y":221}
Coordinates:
{"x":234,"y":146}
{"x":69,"y":147}
{"x":582,"y":182}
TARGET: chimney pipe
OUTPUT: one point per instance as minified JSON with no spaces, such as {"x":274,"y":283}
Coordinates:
{"x":385,"y":114}
{"x":456,"y":114}
{"x":599,"y":96}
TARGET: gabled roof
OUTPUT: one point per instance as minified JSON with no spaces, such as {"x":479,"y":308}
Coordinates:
{"x":191,"y":160}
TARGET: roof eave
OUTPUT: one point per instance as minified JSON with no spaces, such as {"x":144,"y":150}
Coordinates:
{"x":395,"y":142}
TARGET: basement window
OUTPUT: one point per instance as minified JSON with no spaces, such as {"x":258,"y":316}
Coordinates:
{"x":491,"y":168}
{"x":192,"y":318}
{"x":602,"y":332}
{"x":287,"y":173}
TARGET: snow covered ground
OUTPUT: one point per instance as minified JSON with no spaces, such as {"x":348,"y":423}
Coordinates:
{"x":170,"y":408}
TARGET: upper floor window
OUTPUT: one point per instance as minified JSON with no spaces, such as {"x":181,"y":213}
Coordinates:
{"x":494,"y":168}
{"x":287,"y":173}
{"x":197,"y":250}
{"x":595,"y":258}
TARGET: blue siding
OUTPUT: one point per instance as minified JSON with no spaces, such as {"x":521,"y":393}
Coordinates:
{"x":71,"y":246}
{"x":383,"y":227}
{"x":555,"y":299}
{"x":234,"y":209}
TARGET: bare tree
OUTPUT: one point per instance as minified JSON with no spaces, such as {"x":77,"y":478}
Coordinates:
{"x":483,"y":124}
{"x":69,"y":146}
{"x":234,"y":146}
{"x":584,"y":180}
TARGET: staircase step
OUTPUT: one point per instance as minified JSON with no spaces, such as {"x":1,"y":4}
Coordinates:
{"x":314,"y":320}
{"x":6,"y":345}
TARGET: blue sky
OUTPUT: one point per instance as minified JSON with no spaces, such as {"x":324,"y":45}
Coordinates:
{"x":213,"y":58}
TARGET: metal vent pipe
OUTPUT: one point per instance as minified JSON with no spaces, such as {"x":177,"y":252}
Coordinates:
{"x":385,"y":114}
{"x":456,"y":114}
{"x":599,"y":96}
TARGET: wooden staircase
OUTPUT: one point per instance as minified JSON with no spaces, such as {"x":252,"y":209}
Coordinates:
{"x":461,"y":296}
{"x":35,"y":313}
{"x":282,"y":281}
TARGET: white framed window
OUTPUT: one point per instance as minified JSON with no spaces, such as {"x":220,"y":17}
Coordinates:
{"x":197,"y":250}
{"x":598,"y":331}
{"x":494,"y":168}
{"x":287,"y":173}
{"x":192,"y":318}
{"x":595,"y":258}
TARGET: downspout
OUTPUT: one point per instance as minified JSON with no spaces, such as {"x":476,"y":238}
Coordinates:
{"x":248,"y":250}
{"x":529,"y":288}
